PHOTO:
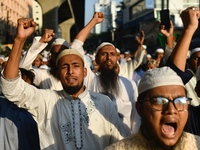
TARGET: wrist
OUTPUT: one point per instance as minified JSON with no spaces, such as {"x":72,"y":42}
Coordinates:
{"x":19,"y":39}
{"x":189,"y":32}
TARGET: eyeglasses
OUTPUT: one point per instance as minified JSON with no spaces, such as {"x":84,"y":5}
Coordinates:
{"x":196,"y":58}
{"x":162,"y":103}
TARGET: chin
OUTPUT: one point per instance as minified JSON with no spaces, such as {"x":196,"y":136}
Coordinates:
{"x":169,"y":142}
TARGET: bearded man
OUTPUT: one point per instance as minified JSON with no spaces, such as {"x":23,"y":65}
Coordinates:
{"x":122,"y":91}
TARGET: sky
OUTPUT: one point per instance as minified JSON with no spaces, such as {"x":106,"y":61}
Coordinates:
{"x":89,"y":9}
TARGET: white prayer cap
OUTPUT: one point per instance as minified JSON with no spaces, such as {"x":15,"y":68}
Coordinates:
{"x":148,"y":56}
{"x":40,"y":56}
{"x":159,"y":50}
{"x":5,"y":59}
{"x":102,"y":45}
{"x":158,"y":77}
{"x":92,"y":57}
{"x":197,"y":49}
{"x":2,"y":57}
{"x":188,"y":54}
{"x":144,"y":46}
{"x":60,"y":41}
{"x":127,"y":52}
{"x":118,"y":51}
{"x":24,"y":52}
{"x":68,"y":52}
{"x":44,"y":59}
{"x":198,"y":74}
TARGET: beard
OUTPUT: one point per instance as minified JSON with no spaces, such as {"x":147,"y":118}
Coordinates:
{"x":109,"y":82}
{"x":72,"y":89}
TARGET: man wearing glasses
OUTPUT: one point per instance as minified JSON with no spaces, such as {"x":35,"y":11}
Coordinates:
{"x":163,"y":107}
{"x":162,"y":102}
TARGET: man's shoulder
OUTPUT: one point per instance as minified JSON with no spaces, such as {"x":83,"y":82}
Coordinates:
{"x":190,"y":141}
{"x":98,"y":96}
{"x":127,"y":81}
{"x":132,"y":142}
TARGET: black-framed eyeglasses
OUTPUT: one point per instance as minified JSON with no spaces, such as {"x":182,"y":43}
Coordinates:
{"x":196,"y":58}
{"x":162,"y":103}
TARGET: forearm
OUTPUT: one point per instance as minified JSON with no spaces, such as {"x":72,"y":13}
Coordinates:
{"x":12,"y":67}
{"x":83,"y":34}
{"x":138,"y":59}
{"x":179,"y":54}
{"x":34,"y":50}
{"x":170,"y":41}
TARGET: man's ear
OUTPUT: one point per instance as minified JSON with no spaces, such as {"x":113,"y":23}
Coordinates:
{"x":138,"y":106}
{"x":85,"y":72}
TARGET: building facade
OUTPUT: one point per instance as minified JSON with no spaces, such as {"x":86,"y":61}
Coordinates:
{"x":10,"y":11}
{"x":144,"y":14}
{"x":108,"y":7}
{"x":37,"y":16}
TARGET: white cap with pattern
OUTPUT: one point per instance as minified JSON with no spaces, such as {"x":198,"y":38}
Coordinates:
{"x":158,"y":77}
{"x":197,"y":49}
{"x":60,"y":41}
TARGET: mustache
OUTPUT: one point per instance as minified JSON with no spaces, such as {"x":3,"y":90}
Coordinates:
{"x":70,"y":76}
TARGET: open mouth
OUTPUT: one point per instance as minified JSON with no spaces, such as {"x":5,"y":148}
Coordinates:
{"x":71,"y":79}
{"x":169,"y":129}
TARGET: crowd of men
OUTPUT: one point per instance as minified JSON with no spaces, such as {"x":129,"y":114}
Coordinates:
{"x":67,"y":104}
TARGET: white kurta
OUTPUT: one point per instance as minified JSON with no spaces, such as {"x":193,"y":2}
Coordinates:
{"x":125,"y":102}
{"x":127,"y":68}
{"x":43,"y":79}
{"x":90,"y":122}
{"x":191,"y":93}
{"x":33,"y":51}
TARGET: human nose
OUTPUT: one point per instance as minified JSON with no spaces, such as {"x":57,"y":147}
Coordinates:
{"x":70,"y":70}
{"x":171,"y":108}
{"x":108,"y":56}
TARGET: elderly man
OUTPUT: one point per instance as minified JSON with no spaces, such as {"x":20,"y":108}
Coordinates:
{"x":163,"y":107}
{"x":72,"y":118}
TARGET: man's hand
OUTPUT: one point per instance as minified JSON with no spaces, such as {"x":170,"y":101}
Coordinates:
{"x":98,"y":17}
{"x":167,"y":32}
{"x":47,"y":36}
{"x":190,"y":18}
{"x":140,"y":39}
{"x":25,"y":28}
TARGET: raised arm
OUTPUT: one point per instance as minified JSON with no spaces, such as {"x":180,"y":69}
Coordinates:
{"x":38,"y":45}
{"x":139,"y":55}
{"x":25,"y":28}
{"x":77,"y":44}
{"x":98,"y":17}
{"x":190,"y":22}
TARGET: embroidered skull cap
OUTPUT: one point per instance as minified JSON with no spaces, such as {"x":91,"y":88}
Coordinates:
{"x":158,"y":77}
